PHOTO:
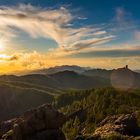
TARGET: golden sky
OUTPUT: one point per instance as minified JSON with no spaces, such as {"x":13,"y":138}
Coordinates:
{"x":33,"y":37}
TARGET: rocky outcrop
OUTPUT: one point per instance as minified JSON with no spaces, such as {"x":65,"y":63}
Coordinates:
{"x":41,"y":123}
{"x":125,"y":124}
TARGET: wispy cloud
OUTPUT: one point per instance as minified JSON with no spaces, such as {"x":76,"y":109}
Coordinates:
{"x":52,"y":24}
{"x":120,"y":15}
{"x":137,"y":35}
{"x":122,"y":50}
{"x":58,"y":25}
{"x":122,"y":21}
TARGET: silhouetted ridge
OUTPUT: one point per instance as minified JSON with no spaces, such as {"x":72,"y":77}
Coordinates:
{"x":53,"y":70}
{"x":65,"y":73}
{"x":67,"y":79}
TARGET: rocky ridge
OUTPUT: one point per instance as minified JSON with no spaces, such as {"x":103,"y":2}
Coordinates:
{"x":41,"y":123}
{"x":116,"y":127}
{"x":125,"y":124}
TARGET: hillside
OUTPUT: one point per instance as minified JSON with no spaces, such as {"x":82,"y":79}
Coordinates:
{"x":35,"y":81}
{"x":71,"y":79}
{"x":20,"y":93}
{"x":118,"y":77}
{"x":86,"y":100}
{"x":16,"y":100}
{"x":98,"y":72}
{"x":95,"y":114}
{"x":86,"y":109}
{"x":59,"y":81}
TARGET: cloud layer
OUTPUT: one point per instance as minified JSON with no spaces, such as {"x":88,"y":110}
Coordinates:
{"x":54,"y":24}
{"x":79,"y":45}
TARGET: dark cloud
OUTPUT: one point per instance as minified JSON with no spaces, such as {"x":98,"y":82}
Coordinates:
{"x":107,"y":53}
{"x":14,"y":57}
{"x":9,"y":58}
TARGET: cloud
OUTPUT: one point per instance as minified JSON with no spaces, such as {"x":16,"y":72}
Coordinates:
{"x":123,"y":20}
{"x":36,"y":22}
{"x":22,"y":61}
{"x":105,"y":56}
{"x":14,"y":57}
{"x":35,"y":60}
{"x":82,"y":18}
{"x":89,"y":43}
{"x":123,"y":50}
{"x":137,"y":35}
{"x":82,"y":45}
{"x":52,"y":24}
{"x":5,"y":57}
{"x":120,"y":15}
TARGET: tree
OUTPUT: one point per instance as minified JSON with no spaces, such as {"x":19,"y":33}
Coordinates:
{"x":71,"y":128}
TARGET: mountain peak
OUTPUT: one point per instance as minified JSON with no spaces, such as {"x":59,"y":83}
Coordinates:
{"x":123,"y":78}
{"x":124,"y":68}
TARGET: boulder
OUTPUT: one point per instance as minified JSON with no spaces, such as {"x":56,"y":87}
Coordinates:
{"x":125,"y":124}
{"x":41,"y":123}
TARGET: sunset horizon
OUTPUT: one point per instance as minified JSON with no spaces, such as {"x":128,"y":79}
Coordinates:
{"x":43,"y":34}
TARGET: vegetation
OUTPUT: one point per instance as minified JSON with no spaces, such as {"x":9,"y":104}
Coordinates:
{"x":15,"y":100}
{"x":72,"y":128}
{"x":90,"y":107}
{"x":69,"y":92}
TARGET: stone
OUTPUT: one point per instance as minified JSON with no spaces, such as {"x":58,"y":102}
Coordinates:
{"x":41,"y":123}
{"x":125,"y":124}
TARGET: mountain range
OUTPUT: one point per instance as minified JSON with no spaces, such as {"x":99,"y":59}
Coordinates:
{"x":75,"y":77}
{"x":20,"y":93}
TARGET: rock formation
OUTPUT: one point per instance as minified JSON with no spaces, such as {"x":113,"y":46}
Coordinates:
{"x":41,"y":123}
{"x":125,"y":124}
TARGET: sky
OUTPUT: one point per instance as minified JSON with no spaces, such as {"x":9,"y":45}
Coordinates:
{"x":36,"y":34}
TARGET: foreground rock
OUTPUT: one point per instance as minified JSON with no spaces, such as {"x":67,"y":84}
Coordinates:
{"x":37,"y":124}
{"x":122,"y":124}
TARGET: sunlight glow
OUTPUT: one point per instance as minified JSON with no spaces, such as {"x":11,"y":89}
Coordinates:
{"x":1,"y":44}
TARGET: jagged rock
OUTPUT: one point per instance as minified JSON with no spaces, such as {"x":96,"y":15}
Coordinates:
{"x":6,"y":126}
{"x":41,"y":123}
{"x":125,"y":124}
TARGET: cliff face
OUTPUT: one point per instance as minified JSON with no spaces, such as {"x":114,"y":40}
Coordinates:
{"x":41,"y":123}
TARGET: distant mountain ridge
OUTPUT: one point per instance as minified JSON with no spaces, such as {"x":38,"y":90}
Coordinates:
{"x":118,"y":77}
{"x":59,"y":78}
{"x":56,"y":69}
{"x":98,"y":72}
